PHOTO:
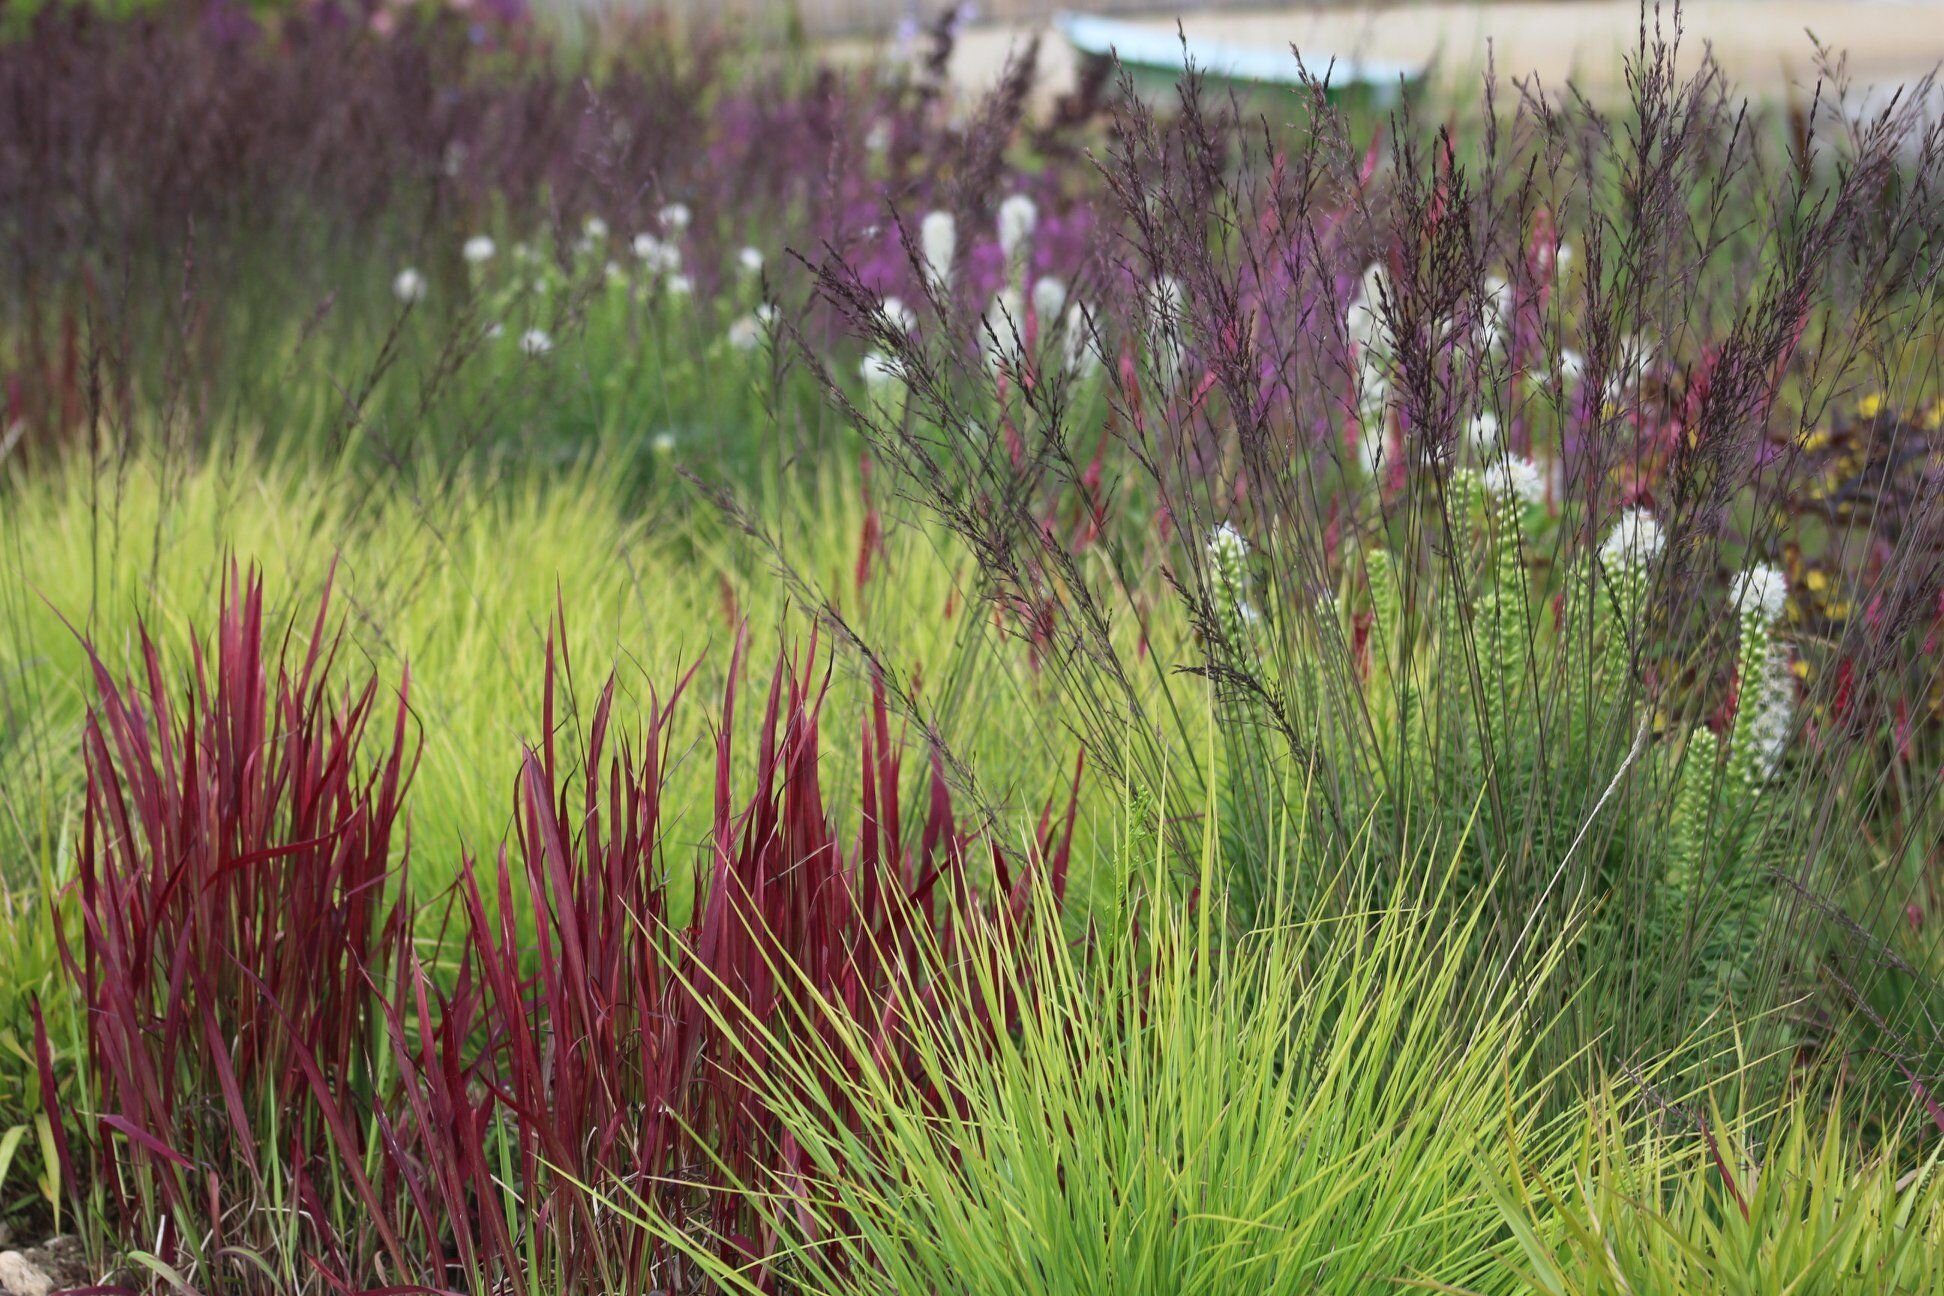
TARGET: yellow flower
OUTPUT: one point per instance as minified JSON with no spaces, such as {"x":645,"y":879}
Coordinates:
{"x":1870,"y":405}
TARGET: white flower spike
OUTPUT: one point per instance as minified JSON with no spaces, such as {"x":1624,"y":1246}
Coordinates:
{"x":1018,"y":217}
{"x":1483,"y":433}
{"x":1762,"y":591}
{"x":1634,"y":542}
{"x":879,"y":370}
{"x":899,"y":315}
{"x":658,"y":256}
{"x":938,"y":242}
{"x":1515,"y":479}
{"x":409,"y":287}
{"x":748,"y":332}
{"x":1049,"y":299}
{"x":1079,"y":349}
{"x":1773,"y":721}
{"x":1227,"y":545}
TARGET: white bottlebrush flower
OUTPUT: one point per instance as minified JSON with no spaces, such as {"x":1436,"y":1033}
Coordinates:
{"x":524,"y":253}
{"x":877,"y":140}
{"x":1489,"y":335}
{"x":614,"y":274}
{"x":880,"y":370}
{"x":674,"y":217}
{"x":1049,"y":299}
{"x":495,"y":331}
{"x":1634,"y":542}
{"x":751,"y":260}
{"x":409,"y":286}
{"x":1761,"y":592}
{"x":1080,"y":350}
{"x":748,"y":332}
{"x":1572,"y":365}
{"x":659,"y":256}
{"x":938,"y":243}
{"x":1164,"y":303}
{"x":535,"y":342}
{"x":898,"y":315}
{"x":1516,"y":480}
{"x":663,"y":443}
{"x":1493,"y":326}
{"x":1363,"y":319}
{"x":1004,"y":332}
{"x":1773,"y":719}
{"x":679,"y":285}
{"x":1562,"y":259}
{"x":595,"y":230}
{"x":1498,"y":296}
{"x":1227,"y":546}
{"x":1483,"y":433}
{"x":478,"y":250}
{"x":1228,"y":555}
{"x":1018,"y":215}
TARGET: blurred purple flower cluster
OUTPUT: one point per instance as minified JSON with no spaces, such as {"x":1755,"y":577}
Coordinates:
{"x":221,"y":150}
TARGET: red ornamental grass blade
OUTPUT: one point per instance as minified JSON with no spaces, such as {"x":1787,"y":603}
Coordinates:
{"x":135,"y":1134}
{"x":235,"y":865}
{"x":50,"y":1093}
{"x":628,"y":1050}
{"x":602,"y":1045}
{"x":1721,"y":1167}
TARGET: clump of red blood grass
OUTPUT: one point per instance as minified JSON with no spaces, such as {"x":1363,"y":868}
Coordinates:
{"x":236,"y":889}
{"x":621,"y":1038}
{"x":278,"y":1074}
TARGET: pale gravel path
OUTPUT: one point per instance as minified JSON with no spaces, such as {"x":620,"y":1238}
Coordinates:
{"x":1764,"y":45}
